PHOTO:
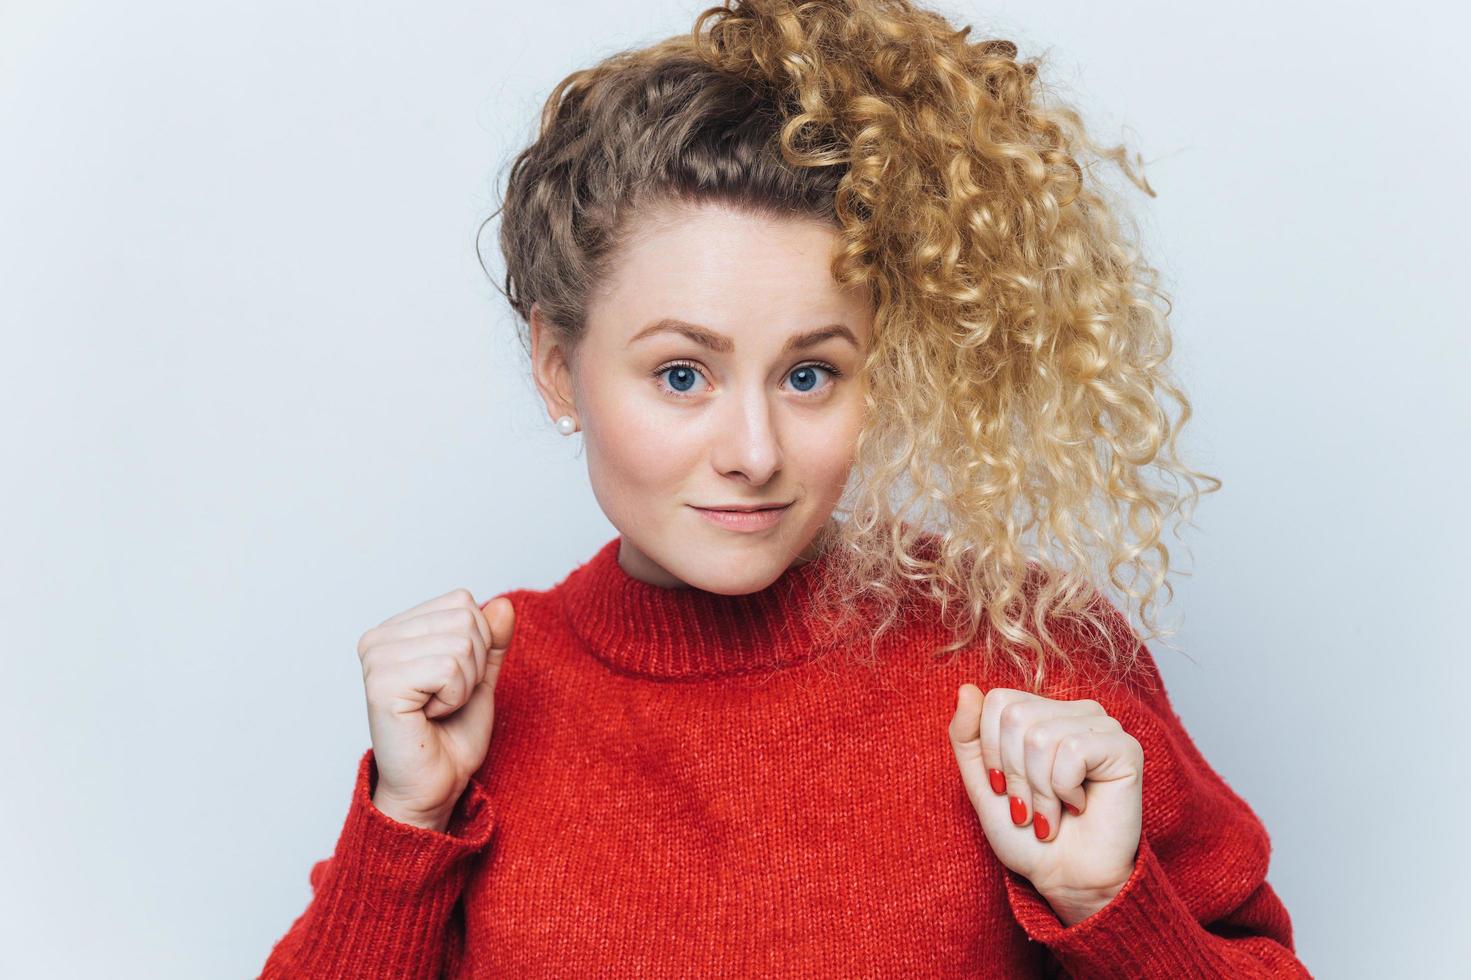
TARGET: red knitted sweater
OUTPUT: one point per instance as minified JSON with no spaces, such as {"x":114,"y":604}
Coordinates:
{"x":680,"y":784}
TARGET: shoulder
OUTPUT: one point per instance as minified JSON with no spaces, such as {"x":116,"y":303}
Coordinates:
{"x":1092,"y":647}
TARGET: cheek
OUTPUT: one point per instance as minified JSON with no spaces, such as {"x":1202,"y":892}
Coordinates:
{"x":820,"y":454}
{"x":836,"y":462}
{"x":634,"y":453}
{"x":833,"y":452}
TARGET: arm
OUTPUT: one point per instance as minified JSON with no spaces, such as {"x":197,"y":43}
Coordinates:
{"x":1198,"y":903}
{"x":384,"y":904}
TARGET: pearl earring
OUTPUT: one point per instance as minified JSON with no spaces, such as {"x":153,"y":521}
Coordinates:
{"x":566,"y":426}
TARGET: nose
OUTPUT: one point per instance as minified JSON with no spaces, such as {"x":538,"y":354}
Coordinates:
{"x":747,"y":442}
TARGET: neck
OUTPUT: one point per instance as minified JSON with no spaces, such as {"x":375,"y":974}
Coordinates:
{"x":688,"y":633}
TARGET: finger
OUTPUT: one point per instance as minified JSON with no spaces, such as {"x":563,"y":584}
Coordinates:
{"x":1069,"y":771}
{"x":1051,"y":748}
{"x":477,"y":613}
{"x":419,"y":683}
{"x":997,"y":700}
{"x":1012,"y":723}
{"x":454,"y":620}
{"x":444,"y":696}
{"x":1105,"y":754}
{"x":463,"y":598}
{"x":452,"y":598}
{"x":461,"y":646}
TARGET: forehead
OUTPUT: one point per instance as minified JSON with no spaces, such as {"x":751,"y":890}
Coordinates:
{"x":737,"y":272}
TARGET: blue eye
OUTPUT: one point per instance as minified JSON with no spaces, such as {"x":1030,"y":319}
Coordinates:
{"x":807,"y":373}
{"x":683,"y":374}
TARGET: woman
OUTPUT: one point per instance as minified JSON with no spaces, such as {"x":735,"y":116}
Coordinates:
{"x":778,"y":273}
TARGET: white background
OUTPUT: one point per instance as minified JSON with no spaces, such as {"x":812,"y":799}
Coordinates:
{"x":256,"y":395}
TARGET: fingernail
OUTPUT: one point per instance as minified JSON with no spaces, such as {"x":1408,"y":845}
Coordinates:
{"x":1039,"y":823}
{"x":1018,"y":811}
{"x":1071,"y":809}
{"x":998,"y":781}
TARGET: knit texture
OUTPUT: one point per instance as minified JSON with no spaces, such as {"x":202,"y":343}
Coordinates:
{"x":681,"y":784}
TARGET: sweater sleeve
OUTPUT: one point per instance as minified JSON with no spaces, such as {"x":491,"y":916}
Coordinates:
{"x":387,"y":902}
{"x":1197,"y":903}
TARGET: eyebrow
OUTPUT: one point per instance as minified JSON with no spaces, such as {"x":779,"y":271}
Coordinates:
{"x":722,"y":344}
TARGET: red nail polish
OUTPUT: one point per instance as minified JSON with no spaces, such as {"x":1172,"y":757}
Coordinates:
{"x":1018,"y":811}
{"x":1039,"y":824}
{"x":998,"y":781}
{"x":1071,"y":809}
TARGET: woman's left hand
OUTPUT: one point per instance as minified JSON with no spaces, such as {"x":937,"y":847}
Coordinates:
{"x":1024,"y":758}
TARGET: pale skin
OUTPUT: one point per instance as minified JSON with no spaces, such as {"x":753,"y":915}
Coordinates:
{"x":668,"y":423}
{"x":1023,"y":759}
{"x":726,"y":411}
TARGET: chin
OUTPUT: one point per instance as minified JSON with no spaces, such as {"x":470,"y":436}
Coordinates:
{"x":738,"y":570}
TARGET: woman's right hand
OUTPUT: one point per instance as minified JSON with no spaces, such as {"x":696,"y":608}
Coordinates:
{"x":429,"y":674}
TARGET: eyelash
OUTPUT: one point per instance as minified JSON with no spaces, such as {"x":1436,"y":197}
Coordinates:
{"x":662,"y":370}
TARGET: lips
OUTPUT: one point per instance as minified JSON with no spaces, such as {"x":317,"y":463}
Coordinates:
{"x":756,"y":519}
{"x":747,"y":510}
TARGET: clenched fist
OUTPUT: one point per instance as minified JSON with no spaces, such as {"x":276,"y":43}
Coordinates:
{"x":429,"y":675}
{"x":1024,"y":759}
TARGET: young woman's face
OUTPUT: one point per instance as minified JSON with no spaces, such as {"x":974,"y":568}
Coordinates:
{"x":764,"y":410}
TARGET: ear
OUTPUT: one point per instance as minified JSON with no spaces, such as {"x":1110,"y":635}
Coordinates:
{"x":549,"y":367}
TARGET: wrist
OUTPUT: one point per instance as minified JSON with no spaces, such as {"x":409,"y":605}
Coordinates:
{"x":431,"y":820}
{"x":1072,"y":908}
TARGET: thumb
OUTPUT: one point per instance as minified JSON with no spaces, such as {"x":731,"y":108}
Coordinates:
{"x":965,"y":740}
{"x":500,"y":616}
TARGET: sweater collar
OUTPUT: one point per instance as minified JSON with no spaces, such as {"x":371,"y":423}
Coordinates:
{"x":688,"y":633}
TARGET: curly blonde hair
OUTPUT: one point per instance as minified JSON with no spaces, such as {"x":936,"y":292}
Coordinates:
{"x":1017,"y":374}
